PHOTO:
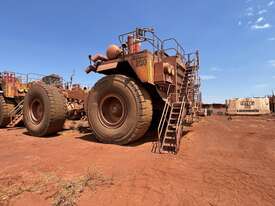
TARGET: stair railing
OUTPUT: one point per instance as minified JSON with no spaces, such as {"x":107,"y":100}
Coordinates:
{"x":16,"y":111}
{"x":180,"y":118}
{"x":179,"y":124}
{"x":164,"y":115}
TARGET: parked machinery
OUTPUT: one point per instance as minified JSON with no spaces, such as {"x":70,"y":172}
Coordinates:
{"x":248,"y":106}
{"x":49,"y":103}
{"x":13,"y":88}
{"x":272,"y":103}
{"x":147,"y":80}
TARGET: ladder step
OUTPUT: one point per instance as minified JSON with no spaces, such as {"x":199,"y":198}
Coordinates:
{"x":170,"y":135}
{"x":170,"y":138}
{"x":171,"y":130}
{"x":170,"y":142}
{"x":173,"y":122}
{"x":168,"y":148}
{"x":168,"y":145}
{"x":176,"y":116}
{"x":15,"y":121}
{"x":176,"y":110}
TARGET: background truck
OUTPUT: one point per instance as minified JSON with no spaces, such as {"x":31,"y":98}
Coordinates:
{"x":50,"y":102}
{"x":13,"y":88}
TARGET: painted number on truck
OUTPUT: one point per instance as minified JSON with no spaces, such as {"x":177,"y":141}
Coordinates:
{"x":139,"y":60}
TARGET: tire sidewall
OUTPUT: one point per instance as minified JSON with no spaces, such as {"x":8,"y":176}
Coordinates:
{"x":106,"y":86}
{"x":36,"y":92}
{"x":2,"y":110}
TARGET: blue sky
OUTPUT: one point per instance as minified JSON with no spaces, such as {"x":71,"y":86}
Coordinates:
{"x":236,"y":40}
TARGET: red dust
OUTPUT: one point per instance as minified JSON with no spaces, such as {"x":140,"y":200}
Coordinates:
{"x":221,"y":162}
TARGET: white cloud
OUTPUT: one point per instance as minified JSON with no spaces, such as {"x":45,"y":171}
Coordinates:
{"x":208,"y":77}
{"x":215,"y":69}
{"x":257,"y":26}
{"x":272,"y":62}
{"x":240,"y":23}
{"x":271,"y":3}
{"x":260,"y":19}
{"x":250,"y":9}
{"x":262,"y":11}
{"x":271,"y":39}
{"x":261,"y":85}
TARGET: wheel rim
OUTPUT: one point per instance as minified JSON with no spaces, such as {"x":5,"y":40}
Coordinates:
{"x":36,"y":111}
{"x":112,"y":111}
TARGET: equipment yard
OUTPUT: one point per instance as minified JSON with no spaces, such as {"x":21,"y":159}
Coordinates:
{"x":220,"y":162}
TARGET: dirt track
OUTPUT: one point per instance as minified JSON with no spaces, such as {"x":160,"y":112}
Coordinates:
{"x":221,"y":162}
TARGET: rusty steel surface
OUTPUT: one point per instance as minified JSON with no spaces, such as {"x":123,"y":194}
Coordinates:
{"x":155,"y":66}
{"x":12,"y":85}
{"x":162,"y":64}
{"x":74,"y":94}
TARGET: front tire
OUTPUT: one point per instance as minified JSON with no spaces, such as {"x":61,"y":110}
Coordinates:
{"x":44,"y":110}
{"x":119,"y":110}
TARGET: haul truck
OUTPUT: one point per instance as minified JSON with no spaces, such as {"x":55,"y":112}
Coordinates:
{"x":146,"y":80}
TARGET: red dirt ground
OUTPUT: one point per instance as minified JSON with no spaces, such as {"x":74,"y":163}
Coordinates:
{"x":221,"y":162}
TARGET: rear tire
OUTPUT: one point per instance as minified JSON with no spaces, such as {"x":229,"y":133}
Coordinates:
{"x":5,"y":109}
{"x":119,"y":110}
{"x":44,"y":110}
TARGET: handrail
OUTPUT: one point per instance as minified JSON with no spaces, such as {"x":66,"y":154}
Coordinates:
{"x":179,"y":122}
{"x":195,"y":59}
{"x":164,"y":114}
{"x":17,"y":110}
{"x":179,"y":49}
{"x":180,"y":118}
{"x":152,"y":39}
{"x":148,"y":35}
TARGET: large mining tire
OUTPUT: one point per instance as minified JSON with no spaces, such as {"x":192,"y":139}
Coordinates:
{"x":119,"y":110}
{"x":44,"y":110}
{"x":5,"y":109}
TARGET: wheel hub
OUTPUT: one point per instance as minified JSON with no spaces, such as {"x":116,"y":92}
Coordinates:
{"x":112,"y":110}
{"x":36,"y":111}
